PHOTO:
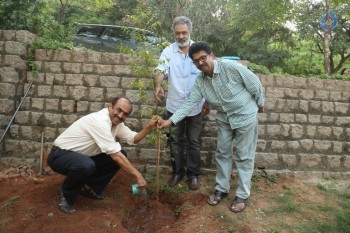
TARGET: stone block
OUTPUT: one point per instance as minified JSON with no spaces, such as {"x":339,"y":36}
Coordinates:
{"x":73,"y":68}
{"x":60,"y":91}
{"x":53,"y":67}
{"x":26,"y":132}
{"x":25,"y":37}
{"x":306,"y":94}
{"x":306,"y":144}
{"x":310,"y":161}
{"x":22,"y":117}
{"x":113,"y":92}
{"x":327,"y":108}
{"x":74,"y":79}
{"x":37,"y":103}
{"x":334,"y":162}
{"x":78,"y":93}
{"x":337,"y":147}
{"x":68,"y":106}
{"x":62,"y":55}
{"x":274,"y":92}
{"x":314,"y":119}
{"x":267,"y":160}
{"x":82,"y":106}
{"x":96,"y":94}
{"x":342,"y":121}
{"x":323,"y":132}
{"x":87,"y":68}
{"x":52,"y":119}
{"x":16,"y":48}
{"x":43,"y":54}
{"x":7,"y":106}
{"x":296,"y":131}
{"x":110,"y":81}
{"x":69,"y":119}
{"x":52,"y":104}
{"x":103,"y":69}
{"x":278,"y":145}
{"x":15,"y":61}
{"x":90,"y":80}
{"x":289,"y":160}
{"x":9,"y":75}
{"x":96,"y":106}
{"x":322,"y":146}
{"x":287,"y":118}
{"x":322,"y":95}
{"x":44,"y":91}
{"x":342,"y":108}
{"x":120,"y":70}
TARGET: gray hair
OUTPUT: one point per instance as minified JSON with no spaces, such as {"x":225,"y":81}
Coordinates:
{"x":183,"y":20}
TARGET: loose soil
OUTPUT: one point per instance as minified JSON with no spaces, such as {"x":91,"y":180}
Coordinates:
{"x":34,"y":208}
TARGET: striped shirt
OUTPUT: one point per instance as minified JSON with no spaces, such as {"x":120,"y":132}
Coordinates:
{"x":234,"y":91}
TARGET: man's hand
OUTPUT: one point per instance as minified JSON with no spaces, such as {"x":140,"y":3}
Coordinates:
{"x":261,"y":109}
{"x":205,"y":108}
{"x":159,"y":93}
{"x":153,"y":122}
{"x":164,"y":124}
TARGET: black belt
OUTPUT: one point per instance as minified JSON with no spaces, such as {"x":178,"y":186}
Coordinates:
{"x":53,"y":148}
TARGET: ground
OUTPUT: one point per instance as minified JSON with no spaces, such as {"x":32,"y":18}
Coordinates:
{"x":28,"y":205}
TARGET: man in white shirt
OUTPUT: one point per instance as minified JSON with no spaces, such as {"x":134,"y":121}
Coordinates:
{"x":88,"y":155}
{"x":177,"y":66}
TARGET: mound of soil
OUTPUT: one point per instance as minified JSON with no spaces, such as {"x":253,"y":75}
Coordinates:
{"x":28,"y":205}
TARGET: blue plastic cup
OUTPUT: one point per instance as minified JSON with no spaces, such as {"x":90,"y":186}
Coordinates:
{"x":136,"y":191}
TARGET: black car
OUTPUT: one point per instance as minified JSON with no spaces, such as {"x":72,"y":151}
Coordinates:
{"x":108,"y":38}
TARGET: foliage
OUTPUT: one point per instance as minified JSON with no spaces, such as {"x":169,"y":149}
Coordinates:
{"x":15,"y":15}
{"x":258,"y":68}
{"x":308,"y":24}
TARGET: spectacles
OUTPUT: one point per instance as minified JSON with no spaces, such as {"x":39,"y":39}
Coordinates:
{"x":202,"y":58}
{"x":119,"y":110}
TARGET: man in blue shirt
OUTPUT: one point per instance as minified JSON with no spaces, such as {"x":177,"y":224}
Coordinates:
{"x":237,"y":95}
{"x":181,"y":73}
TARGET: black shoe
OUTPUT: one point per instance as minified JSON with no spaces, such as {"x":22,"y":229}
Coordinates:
{"x":63,"y":204}
{"x":193,"y":183}
{"x":174,"y":180}
{"x":89,"y":192}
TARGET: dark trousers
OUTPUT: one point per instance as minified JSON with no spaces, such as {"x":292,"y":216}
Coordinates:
{"x":96,"y":171}
{"x":189,"y":129}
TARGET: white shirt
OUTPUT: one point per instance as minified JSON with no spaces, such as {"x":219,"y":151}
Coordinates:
{"x":182,"y":74}
{"x":93,"y":134}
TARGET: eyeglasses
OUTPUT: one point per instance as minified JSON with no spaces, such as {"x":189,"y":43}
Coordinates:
{"x":202,"y":58}
{"x":119,"y":110}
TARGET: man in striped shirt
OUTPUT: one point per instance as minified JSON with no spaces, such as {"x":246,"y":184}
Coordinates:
{"x":237,"y":95}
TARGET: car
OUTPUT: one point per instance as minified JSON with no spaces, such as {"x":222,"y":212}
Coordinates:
{"x":109,"y":38}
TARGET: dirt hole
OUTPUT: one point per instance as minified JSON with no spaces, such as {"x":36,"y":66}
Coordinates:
{"x":150,"y":215}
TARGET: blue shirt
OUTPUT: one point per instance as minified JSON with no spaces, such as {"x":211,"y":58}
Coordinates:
{"x":234,"y":91}
{"x":181,"y":73}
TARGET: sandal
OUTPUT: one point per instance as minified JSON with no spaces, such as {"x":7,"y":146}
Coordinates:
{"x":237,"y":201}
{"x":216,"y":198}
{"x":89,"y":192}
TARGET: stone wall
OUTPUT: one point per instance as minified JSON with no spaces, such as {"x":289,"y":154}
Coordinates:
{"x":305,"y":127}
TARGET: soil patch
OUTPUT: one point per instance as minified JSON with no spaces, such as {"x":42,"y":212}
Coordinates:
{"x":29,"y":205}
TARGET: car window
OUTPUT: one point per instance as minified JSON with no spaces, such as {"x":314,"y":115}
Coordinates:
{"x":115,"y":34}
{"x":90,"y":31}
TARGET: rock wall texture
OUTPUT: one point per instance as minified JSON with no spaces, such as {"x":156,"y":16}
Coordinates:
{"x":305,"y":127}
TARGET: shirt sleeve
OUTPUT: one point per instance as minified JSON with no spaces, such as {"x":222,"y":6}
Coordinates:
{"x":163,"y":63}
{"x":253,"y":84}
{"x":125,"y":134}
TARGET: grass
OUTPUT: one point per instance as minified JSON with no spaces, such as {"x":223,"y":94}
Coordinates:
{"x":5,"y":205}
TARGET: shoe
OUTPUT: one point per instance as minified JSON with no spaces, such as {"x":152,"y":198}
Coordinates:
{"x":216,"y":198}
{"x":174,"y":180}
{"x":89,"y":192}
{"x":236,"y":202}
{"x":193,"y":183}
{"x":63,"y":204}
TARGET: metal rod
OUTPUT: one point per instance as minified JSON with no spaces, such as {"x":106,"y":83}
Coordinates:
{"x":14,"y":115}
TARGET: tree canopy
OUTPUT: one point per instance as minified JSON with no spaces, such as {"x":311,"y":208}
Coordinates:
{"x":284,"y":36}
